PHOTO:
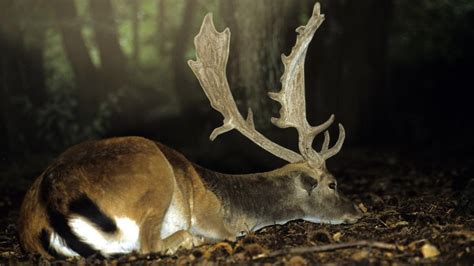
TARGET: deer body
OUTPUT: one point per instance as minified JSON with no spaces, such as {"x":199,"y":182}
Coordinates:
{"x":129,"y":194}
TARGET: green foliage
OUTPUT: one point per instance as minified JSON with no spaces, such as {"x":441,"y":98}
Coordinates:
{"x":57,"y":122}
{"x":59,"y":77}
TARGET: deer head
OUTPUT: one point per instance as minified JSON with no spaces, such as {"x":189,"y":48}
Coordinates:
{"x":212,"y":52}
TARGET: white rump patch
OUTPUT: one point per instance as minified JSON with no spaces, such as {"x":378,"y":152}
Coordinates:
{"x":59,"y":245}
{"x":125,"y":240}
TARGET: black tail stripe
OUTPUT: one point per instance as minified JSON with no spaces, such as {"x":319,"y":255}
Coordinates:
{"x":45,"y":239}
{"x":86,"y":208}
{"x":59,"y":223}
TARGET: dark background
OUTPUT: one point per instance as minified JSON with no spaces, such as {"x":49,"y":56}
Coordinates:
{"x":396,"y":73}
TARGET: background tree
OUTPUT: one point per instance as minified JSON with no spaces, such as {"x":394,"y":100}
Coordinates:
{"x":160,"y":27}
{"x":258,"y":39}
{"x":135,"y":14}
{"x":349,"y":58}
{"x":113,"y":63}
{"x":74,"y":70}
{"x":22,"y":74}
{"x":89,"y":92}
{"x":182,"y":42}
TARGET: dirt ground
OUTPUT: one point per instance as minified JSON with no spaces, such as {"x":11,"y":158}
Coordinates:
{"x":417,"y":211}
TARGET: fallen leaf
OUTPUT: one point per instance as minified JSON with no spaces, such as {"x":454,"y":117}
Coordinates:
{"x":388,"y":254}
{"x":412,"y":245}
{"x":362,"y":207}
{"x":337,"y":236}
{"x":360,"y":255}
{"x":401,"y":247}
{"x":400,"y":223}
{"x":297,"y":261}
{"x":429,"y":251}
{"x":469,"y":235}
{"x":191,"y":257}
{"x":7,"y":253}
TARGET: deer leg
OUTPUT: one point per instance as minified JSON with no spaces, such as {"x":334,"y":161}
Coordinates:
{"x":180,"y":239}
{"x":150,"y":228}
{"x":150,"y":240}
{"x":212,"y":227}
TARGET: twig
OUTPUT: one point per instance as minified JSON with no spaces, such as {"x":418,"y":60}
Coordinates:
{"x":382,"y":222}
{"x":322,"y":248}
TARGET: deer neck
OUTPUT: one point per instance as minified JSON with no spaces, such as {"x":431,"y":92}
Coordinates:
{"x":252,"y":201}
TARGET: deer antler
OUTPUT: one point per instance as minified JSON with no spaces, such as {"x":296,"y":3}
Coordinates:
{"x":212,"y":52}
{"x":292,"y":97}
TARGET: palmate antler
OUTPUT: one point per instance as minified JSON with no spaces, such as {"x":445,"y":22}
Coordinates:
{"x":212,"y":52}
{"x":292,"y":97}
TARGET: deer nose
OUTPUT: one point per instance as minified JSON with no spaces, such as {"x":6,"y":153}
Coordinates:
{"x":353,"y":216}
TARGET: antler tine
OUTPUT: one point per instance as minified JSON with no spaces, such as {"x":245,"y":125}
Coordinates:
{"x":327,"y":139}
{"x":325,"y":153}
{"x":292,"y":96}
{"x":212,"y":52}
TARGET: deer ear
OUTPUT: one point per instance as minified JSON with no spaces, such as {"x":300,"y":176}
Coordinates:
{"x":308,"y":182}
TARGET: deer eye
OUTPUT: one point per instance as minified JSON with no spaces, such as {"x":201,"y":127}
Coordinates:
{"x":332,"y":186}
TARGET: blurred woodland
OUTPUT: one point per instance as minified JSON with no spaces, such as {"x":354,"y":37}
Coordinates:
{"x":396,"y":73}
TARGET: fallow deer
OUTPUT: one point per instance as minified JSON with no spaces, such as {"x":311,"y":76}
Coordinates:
{"x":128,"y":194}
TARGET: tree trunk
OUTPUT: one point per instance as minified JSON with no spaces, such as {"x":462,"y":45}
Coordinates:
{"x":10,"y":78}
{"x":160,"y":27}
{"x":89,"y":92}
{"x":258,"y":31}
{"x":228,"y":12}
{"x":35,"y":67}
{"x":382,"y":97}
{"x":363,"y":71}
{"x":21,"y":75}
{"x":136,"y":30}
{"x":182,"y":41}
{"x":347,"y":57}
{"x":112,"y":58}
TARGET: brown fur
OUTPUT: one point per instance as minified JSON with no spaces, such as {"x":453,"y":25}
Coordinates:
{"x":129,"y":176}
{"x":136,"y":178}
{"x":32,"y":220}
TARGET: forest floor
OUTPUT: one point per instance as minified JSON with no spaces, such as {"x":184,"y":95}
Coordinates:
{"x":417,"y":211}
